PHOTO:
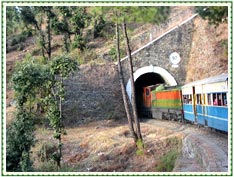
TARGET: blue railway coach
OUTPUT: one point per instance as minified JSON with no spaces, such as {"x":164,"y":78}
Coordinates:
{"x":205,"y":102}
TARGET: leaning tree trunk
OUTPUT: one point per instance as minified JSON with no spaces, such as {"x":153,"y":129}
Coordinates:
{"x":49,"y":34}
{"x":133,"y":96}
{"x":124,"y":93}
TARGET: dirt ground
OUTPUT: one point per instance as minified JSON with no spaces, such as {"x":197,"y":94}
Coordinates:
{"x":106,"y":146}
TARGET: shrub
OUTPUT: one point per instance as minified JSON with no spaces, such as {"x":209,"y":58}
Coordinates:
{"x":45,"y":154}
{"x":79,"y":43}
{"x":20,"y":138}
{"x":167,"y":162}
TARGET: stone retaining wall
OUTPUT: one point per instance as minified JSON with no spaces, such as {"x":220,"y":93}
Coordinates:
{"x":93,"y":93}
{"x":198,"y":154}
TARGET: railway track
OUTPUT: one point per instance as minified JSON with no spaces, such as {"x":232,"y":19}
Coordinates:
{"x":204,"y":149}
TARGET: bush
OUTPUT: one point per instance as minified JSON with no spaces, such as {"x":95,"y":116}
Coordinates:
{"x":79,"y":43}
{"x":167,"y":162}
{"x":113,"y":53}
{"x":45,"y":154}
{"x":20,"y":37}
{"x":19,"y":140}
{"x":14,"y":42}
{"x":98,"y":27}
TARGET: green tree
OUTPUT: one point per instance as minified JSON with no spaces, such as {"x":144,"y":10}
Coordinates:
{"x":214,"y":14}
{"x":34,"y":15}
{"x":12,"y":20}
{"x":62,"y":26}
{"x":61,"y":68}
{"x":20,"y":139}
{"x":78,"y":20}
{"x":28,"y":80}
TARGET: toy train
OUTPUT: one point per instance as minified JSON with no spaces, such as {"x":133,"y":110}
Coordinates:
{"x":203,"y":102}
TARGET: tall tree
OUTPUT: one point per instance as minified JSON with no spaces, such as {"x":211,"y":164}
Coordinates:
{"x":12,"y":20}
{"x":139,"y":14}
{"x":34,"y":16}
{"x":62,"y":26}
{"x":28,"y":80}
{"x":78,"y":21}
{"x":134,"y":14}
{"x":121,"y":79}
{"x":61,"y":67}
{"x":133,"y":96}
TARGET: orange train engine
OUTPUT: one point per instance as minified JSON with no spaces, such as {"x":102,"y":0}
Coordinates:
{"x":163,"y":102}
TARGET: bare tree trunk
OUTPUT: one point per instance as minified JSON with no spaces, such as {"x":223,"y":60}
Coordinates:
{"x":124,"y":94}
{"x":133,"y":96}
{"x":60,"y":131}
{"x":49,"y":33}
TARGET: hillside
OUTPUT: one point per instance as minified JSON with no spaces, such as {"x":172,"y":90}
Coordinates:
{"x":209,"y":54}
{"x":98,"y":51}
{"x":208,"y":57}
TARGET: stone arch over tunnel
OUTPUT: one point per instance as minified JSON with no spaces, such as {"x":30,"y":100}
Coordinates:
{"x":148,"y":75}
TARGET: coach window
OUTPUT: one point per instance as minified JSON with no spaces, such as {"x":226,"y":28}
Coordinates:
{"x":215,"y":99}
{"x":186,"y":99}
{"x":220,"y":101}
{"x":199,"y":99}
{"x":224,"y":98}
{"x":204,"y":101}
{"x":190,"y":99}
{"x":209,"y":99}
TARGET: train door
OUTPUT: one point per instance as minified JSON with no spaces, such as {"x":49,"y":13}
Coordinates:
{"x":146,"y":97}
{"x":205,"y":110}
{"x":194,"y":103}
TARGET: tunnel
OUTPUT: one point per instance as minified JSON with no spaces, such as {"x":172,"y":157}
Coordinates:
{"x":146,"y":76}
{"x":143,"y":81}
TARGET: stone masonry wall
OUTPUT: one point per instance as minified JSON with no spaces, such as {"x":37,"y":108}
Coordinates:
{"x":93,"y":93}
{"x":157,"y":53}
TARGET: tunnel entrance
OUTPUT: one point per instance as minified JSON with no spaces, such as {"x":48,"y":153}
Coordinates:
{"x":146,"y":76}
{"x":143,"y":81}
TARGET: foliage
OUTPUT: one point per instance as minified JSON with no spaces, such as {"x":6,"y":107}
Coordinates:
{"x":28,"y":16}
{"x":20,"y":37}
{"x":28,"y":79}
{"x":78,"y":42}
{"x":12,"y":20}
{"x":214,"y":14}
{"x":63,"y":66}
{"x":60,"y":69}
{"x":45,"y":151}
{"x":167,"y":162}
{"x":99,"y":25}
{"x":140,"y":147}
{"x":33,"y":83}
{"x":224,"y":45}
{"x":78,"y":19}
{"x":20,"y":138}
{"x":113,"y":53}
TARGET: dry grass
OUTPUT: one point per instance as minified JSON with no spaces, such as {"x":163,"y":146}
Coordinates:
{"x":107,"y":146}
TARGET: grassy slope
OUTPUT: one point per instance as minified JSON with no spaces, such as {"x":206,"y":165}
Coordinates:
{"x":107,"y":146}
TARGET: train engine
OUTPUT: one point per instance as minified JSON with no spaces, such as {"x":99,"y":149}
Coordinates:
{"x":163,"y":102}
